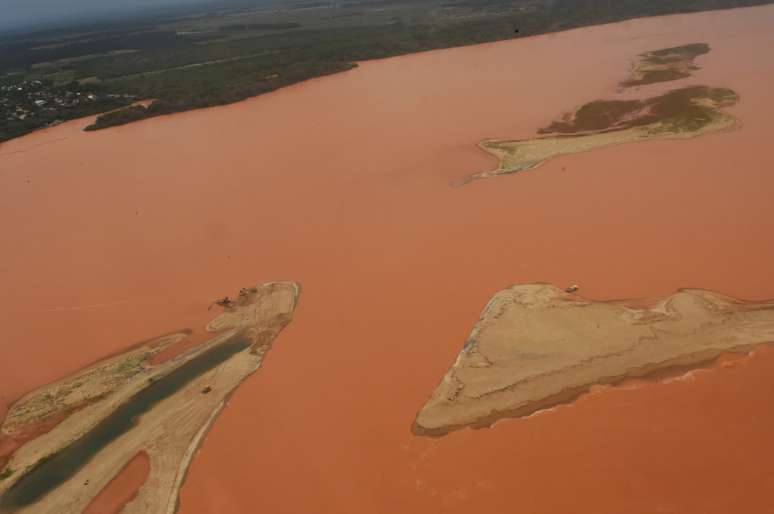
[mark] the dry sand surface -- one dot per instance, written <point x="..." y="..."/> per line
<point x="167" y="432"/>
<point x="342" y="184"/>
<point x="536" y="346"/>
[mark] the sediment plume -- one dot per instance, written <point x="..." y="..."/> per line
<point x="226" y="191"/>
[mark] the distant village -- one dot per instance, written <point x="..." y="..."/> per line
<point x="38" y="98"/>
<point x="38" y="103"/>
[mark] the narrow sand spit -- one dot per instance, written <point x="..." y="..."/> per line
<point x="536" y="346"/>
<point x="342" y="184"/>
<point x="132" y="408"/>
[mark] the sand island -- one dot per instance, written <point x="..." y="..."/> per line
<point x="125" y="406"/>
<point x="682" y="113"/>
<point x="536" y="346"/>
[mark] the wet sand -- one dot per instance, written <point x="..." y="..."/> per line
<point x="122" y="488"/>
<point x="114" y="227"/>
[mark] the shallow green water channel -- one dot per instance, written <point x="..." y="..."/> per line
<point x="60" y="467"/>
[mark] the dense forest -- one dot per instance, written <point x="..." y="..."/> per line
<point x="198" y="59"/>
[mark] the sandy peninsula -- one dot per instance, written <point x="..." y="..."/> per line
<point x="536" y="346"/>
<point x="124" y="406"/>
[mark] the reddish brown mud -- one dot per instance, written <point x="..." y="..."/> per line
<point x="122" y="488"/>
<point x="341" y="184"/>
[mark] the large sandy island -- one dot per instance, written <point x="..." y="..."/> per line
<point x="536" y="346"/>
<point x="342" y="184"/>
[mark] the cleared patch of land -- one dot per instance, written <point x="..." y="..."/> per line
<point x="679" y="114"/>
<point x="665" y="65"/>
<point x="536" y="346"/>
<point x="127" y="406"/>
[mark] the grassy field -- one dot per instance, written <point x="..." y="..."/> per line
<point x="189" y="58"/>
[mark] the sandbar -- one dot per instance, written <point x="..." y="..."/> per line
<point x="536" y="345"/>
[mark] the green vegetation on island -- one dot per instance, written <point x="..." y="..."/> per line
<point x="666" y="65"/>
<point x="681" y="110"/>
<point x="682" y="113"/>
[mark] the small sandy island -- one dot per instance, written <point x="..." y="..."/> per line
<point x="536" y="346"/>
<point x="682" y="113"/>
<point x="126" y="406"/>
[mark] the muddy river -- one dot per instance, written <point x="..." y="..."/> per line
<point x="343" y="184"/>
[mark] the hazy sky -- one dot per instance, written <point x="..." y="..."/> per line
<point x="21" y="13"/>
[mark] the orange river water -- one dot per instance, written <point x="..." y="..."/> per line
<point x="342" y="183"/>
